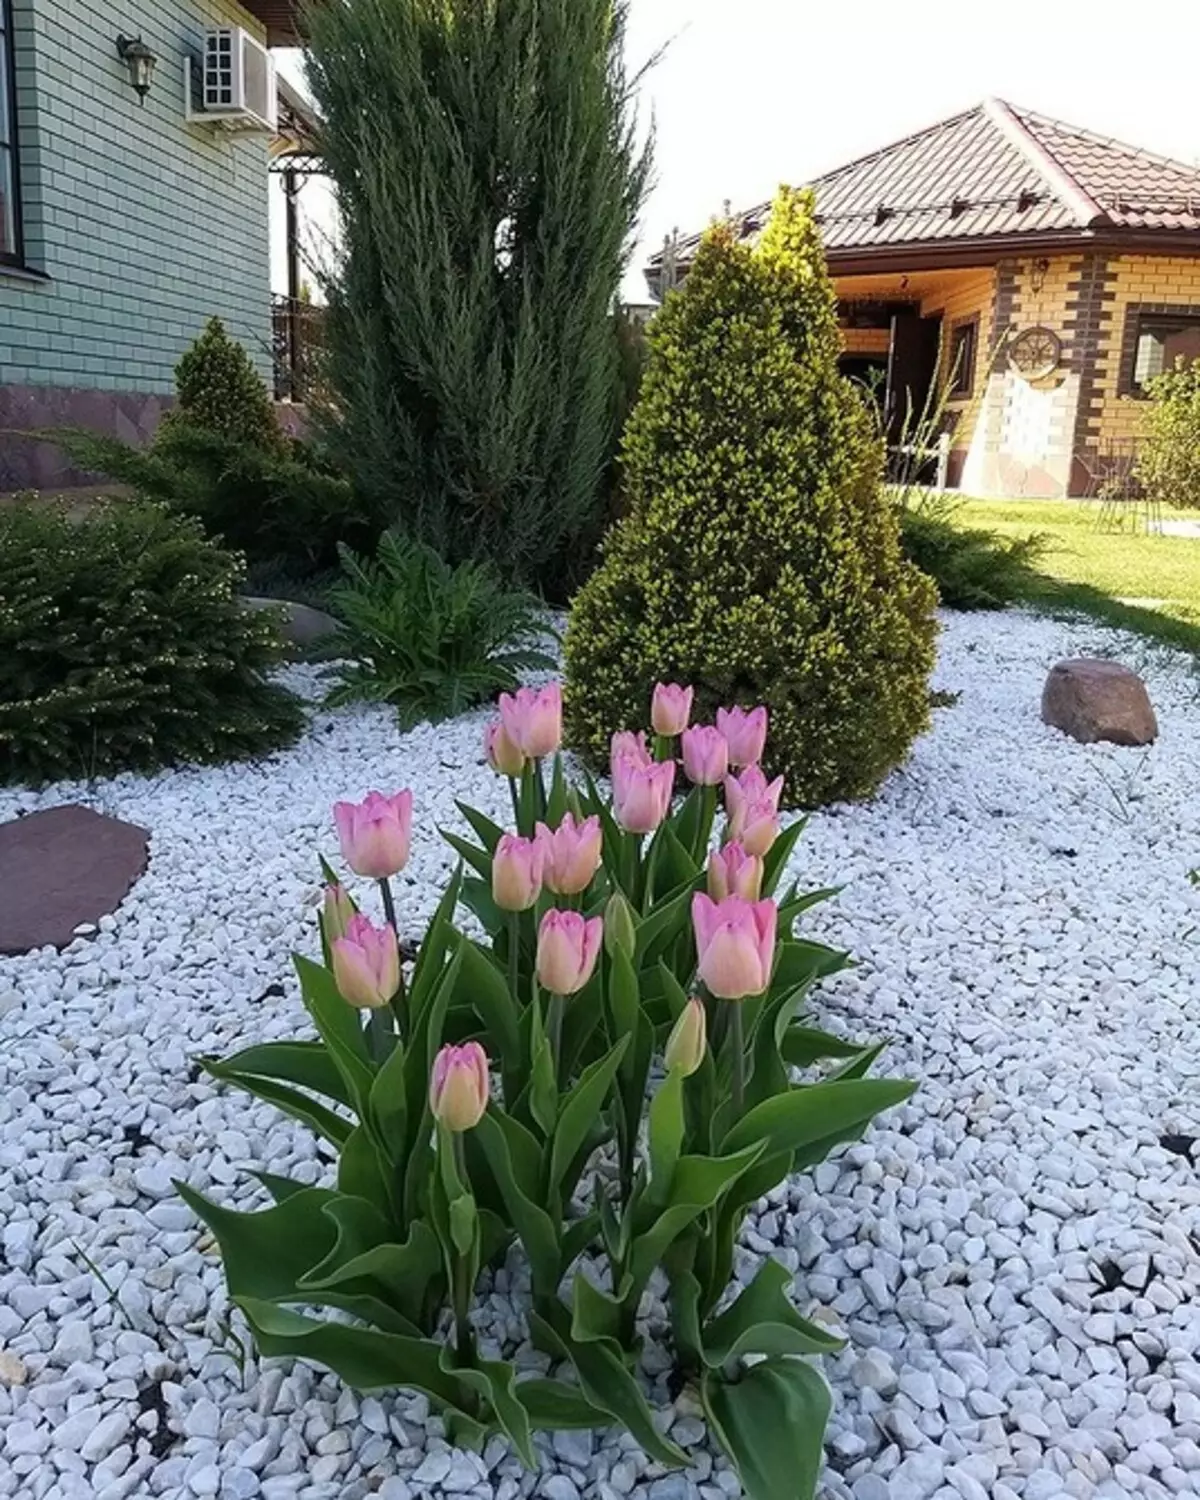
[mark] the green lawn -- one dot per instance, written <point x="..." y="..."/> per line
<point x="1141" y="582"/>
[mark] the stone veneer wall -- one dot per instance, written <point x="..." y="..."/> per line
<point x="140" y="225"/>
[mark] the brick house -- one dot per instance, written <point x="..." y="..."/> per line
<point x="126" y="218"/>
<point x="1039" y="272"/>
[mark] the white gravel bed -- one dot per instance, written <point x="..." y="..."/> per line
<point x="1015" y="1254"/>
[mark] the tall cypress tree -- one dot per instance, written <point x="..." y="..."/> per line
<point x="488" y="178"/>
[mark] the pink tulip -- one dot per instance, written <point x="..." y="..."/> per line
<point x="750" y="787"/>
<point x="759" y="827"/>
<point x="533" y="719"/>
<point x="572" y="853"/>
<point x="745" y="733"/>
<point x="689" y="1037"/>
<point x="517" y="871"/>
<point x="502" y="755"/>
<point x="568" y="946"/>
<point x="705" y="755"/>
<point x="671" y="708"/>
<point x="337" y="912"/>
<point x="733" y="872"/>
<point x="458" y="1086"/>
<point x="642" y="794"/>
<point x="375" y="834"/>
<point x="366" y="963"/>
<point x="735" y="941"/>
<point x="629" y="746"/>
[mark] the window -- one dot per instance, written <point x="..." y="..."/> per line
<point x="10" y="216"/>
<point x="1162" y="340"/>
<point x="962" y="358"/>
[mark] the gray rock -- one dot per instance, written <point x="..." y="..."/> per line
<point x="301" y="626"/>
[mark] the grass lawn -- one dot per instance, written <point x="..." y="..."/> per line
<point x="1141" y="582"/>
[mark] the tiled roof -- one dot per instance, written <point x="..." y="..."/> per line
<point x="994" y="170"/>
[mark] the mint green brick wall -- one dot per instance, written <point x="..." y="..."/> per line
<point x="145" y="225"/>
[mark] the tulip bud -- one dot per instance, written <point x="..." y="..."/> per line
<point x="705" y="755"/>
<point x="689" y="1036"/>
<point x="572" y="853"/>
<point x="502" y="755"/>
<point x="735" y="944"/>
<point x="733" y="872"/>
<point x="532" y="719"/>
<point x="375" y="834"/>
<point x="670" y="709"/>
<point x="366" y="963"/>
<point x="568" y="946"/>
<point x="620" y="929"/>
<point x="337" y="912"/>
<point x="458" y="1086"/>
<point x="745" y="733"/>
<point x="517" y="869"/>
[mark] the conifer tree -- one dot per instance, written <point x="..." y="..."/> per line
<point x="760" y="557"/>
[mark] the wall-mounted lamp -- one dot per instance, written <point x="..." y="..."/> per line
<point x="140" y="61"/>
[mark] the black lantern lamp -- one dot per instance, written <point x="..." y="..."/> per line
<point x="140" y="61"/>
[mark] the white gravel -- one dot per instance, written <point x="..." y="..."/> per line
<point x="1015" y="1254"/>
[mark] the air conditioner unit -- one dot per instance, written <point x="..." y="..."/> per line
<point x="232" y="82"/>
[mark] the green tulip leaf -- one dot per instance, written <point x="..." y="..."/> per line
<point x="464" y="1223"/>
<point x="676" y="995"/>
<point x="859" y="1065"/>
<point x="815" y="1112"/>
<point x="579" y="1112"/>
<point x="281" y="1188"/>
<point x="605" y="1381"/>
<point x="804" y="1045"/>
<point x="595" y="1314"/>
<point x="777" y="856"/>
<point x="305" y="1063"/>
<point x="665" y="1134"/>
<point x="495" y="1381"/>
<point x="479" y="860"/>
<point x="405" y="1273"/>
<point x="623" y="997"/>
<point x="556" y="801"/>
<point x="762" y="1320"/>
<point x="487" y="832"/>
<point x="339" y="1027"/>
<point x="697" y="1184"/>
<point x="494" y="1004"/>
<point x="358" y="1225"/>
<point x="362" y="1174"/>
<point x="577" y="1236"/>
<point x="507" y="1146"/>
<point x="387" y="1115"/>
<point x="660" y="927"/>
<point x="685" y="1318"/>
<point x="554" y="1406"/>
<point x="440" y="938"/>
<point x="771" y="1425"/>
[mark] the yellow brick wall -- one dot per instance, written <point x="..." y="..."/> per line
<point x="1135" y="279"/>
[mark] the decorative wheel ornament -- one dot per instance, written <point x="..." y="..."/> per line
<point x="1035" y="353"/>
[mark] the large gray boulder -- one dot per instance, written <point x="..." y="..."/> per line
<point x="304" y="628"/>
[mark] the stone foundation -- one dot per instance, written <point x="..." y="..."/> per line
<point x="27" y="464"/>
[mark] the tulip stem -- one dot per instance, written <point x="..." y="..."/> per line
<point x="514" y="792"/>
<point x="389" y="912"/>
<point x="554" y="1027"/>
<point x="464" y="1338"/>
<point x="380" y="1036"/>
<point x="514" y="955"/>
<point x="389" y="905"/>
<point x="708" y="813"/>
<point x="737" y="1044"/>
<point x="664" y="747"/>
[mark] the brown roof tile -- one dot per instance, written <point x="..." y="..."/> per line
<point x="994" y="170"/>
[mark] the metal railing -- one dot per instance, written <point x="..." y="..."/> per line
<point x="296" y="341"/>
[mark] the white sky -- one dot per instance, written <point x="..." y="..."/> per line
<point x="751" y="93"/>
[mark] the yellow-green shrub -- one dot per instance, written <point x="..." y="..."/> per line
<point x="759" y="559"/>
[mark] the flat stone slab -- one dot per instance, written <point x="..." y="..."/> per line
<point x="61" y="868"/>
<point x="1099" y="700"/>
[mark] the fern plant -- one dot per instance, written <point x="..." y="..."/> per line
<point x="430" y="639"/>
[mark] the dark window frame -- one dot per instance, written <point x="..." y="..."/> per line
<point x="1137" y="313"/>
<point x="8" y="82"/>
<point x="960" y="373"/>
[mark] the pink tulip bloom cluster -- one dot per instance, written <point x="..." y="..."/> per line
<point x="567" y="950"/>
<point x="375" y="834"/>
<point x="642" y="787"/>
<point x="671" y="709"/>
<point x="532" y="720"/>
<point x="459" y="1086"/>
<point x="735" y="944"/>
<point x="745" y="732"/>
<point x="366" y="963"/>
<point x="752" y="806"/>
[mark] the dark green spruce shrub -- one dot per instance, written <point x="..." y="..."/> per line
<point x="123" y="647"/>
<point x="973" y="568"/>
<point x="487" y="198"/>
<point x="760" y="558"/>
<point x="430" y="639"/>
<point x="220" y="454"/>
